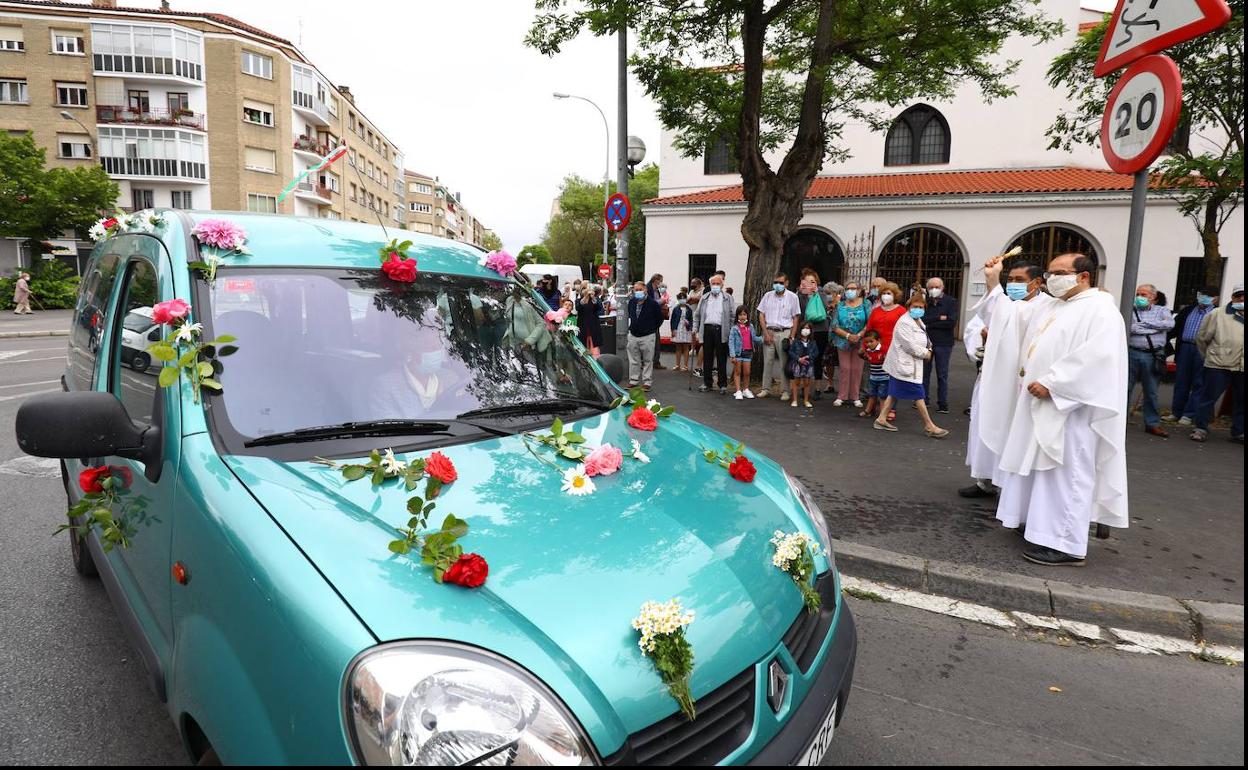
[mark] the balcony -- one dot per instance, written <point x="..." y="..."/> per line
<point x="314" y="192"/>
<point x="155" y="168"/>
<point x="137" y="66"/>
<point x="310" y="107"/>
<point x="311" y="147"/>
<point x="157" y="117"/>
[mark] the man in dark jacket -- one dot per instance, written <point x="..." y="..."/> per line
<point x="644" y="318"/>
<point x="1189" y="367"/>
<point x="941" y="320"/>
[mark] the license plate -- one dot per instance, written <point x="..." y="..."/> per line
<point x="813" y="754"/>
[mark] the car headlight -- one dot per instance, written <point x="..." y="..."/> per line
<point x="816" y="516"/>
<point x="440" y="703"/>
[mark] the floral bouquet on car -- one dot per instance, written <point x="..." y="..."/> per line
<point x="662" y="627"/>
<point x="184" y="351"/>
<point x="795" y="555"/>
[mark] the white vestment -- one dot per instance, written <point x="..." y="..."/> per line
<point x="1064" y="461"/>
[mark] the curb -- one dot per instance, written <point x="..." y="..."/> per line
<point x="1215" y="622"/>
<point x="48" y="333"/>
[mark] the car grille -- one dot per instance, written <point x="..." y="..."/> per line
<point x="807" y="633"/>
<point x="725" y="715"/>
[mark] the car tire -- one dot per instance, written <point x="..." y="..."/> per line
<point x="84" y="565"/>
<point x="140" y="362"/>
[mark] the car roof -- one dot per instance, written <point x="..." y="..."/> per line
<point x="280" y="240"/>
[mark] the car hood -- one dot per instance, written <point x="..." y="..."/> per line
<point x="567" y="574"/>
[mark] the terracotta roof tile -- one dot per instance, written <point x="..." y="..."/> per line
<point x="1088" y="25"/>
<point x="219" y="18"/>
<point x="992" y="182"/>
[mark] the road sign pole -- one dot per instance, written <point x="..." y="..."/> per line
<point x="621" y="186"/>
<point x="1135" y="234"/>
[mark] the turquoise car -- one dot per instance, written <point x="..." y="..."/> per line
<point x="258" y="582"/>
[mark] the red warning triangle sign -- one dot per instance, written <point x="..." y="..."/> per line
<point x="1142" y="27"/>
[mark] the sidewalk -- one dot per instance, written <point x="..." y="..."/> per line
<point x="41" y="323"/>
<point x="897" y="492"/>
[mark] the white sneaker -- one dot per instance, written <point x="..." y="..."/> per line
<point x="748" y="393"/>
<point x="1185" y="422"/>
<point x="785" y="396"/>
<point x="1169" y="418"/>
<point x="838" y="402"/>
<point x="857" y="404"/>
<point x="738" y="395"/>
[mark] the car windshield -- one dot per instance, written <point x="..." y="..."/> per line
<point x="319" y="347"/>
<point x="137" y="322"/>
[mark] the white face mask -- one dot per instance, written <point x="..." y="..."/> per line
<point x="805" y="332"/>
<point x="1060" y="285"/>
<point x="934" y="293"/>
<point x="886" y="298"/>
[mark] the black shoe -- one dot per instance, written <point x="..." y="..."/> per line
<point x="942" y="410"/>
<point x="1039" y="554"/>
<point x="975" y="490"/>
<point x="1021" y="530"/>
<point x="967" y="411"/>
<point x="1236" y="439"/>
<point x="703" y="388"/>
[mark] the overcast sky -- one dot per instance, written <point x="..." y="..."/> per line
<point x="452" y="84"/>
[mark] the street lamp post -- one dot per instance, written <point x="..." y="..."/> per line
<point x="66" y="115"/>
<point x="606" y="173"/>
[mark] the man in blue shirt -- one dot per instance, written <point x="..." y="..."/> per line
<point x="644" y="318"/>
<point x="941" y="320"/>
<point x="1146" y="352"/>
<point x="1189" y="366"/>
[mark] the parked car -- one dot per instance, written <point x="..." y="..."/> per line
<point x="258" y="586"/>
<point x="138" y="331"/>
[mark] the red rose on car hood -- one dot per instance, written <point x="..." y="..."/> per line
<point x="642" y="418"/>
<point x="469" y="571"/>
<point x="742" y="469"/>
<point x="440" y="467"/>
<point x="396" y="269"/>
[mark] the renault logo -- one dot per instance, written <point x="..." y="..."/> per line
<point x="777" y="685"/>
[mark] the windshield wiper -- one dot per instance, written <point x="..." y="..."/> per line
<point x="547" y="406"/>
<point x="366" y="428"/>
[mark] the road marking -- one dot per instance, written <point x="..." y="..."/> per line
<point x="28" y="384"/>
<point x="27" y="395"/>
<point x="35" y="360"/>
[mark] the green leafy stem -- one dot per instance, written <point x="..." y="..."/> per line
<point x="638" y="398"/>
<point x="184" y="351"/>
<point x="673" y="659"/>
<point x="725" y="456"/>
<point x="802" y="571"/>
<point x="112" y="517"/>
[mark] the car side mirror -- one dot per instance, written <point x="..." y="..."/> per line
<point x="613" y="365"/>
<point x="83" y="424"/>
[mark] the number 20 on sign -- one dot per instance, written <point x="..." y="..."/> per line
<point x="1141" y="114"/>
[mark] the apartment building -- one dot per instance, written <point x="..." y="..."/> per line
<point x="191" y="110"/>
<point x="433" y="208"/>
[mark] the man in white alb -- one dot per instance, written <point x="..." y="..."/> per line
<point x="1064" y="462"/>
<point x="1004" y="312"/>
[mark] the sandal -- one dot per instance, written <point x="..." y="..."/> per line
<point x="864" y="413"/>
<point x="877" y="425"/>
<point x="938" y="433"/>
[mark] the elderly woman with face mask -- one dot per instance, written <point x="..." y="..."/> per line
<point x="904" y="363"/>
<point x="852" y="313"/>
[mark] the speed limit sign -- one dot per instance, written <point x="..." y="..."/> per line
<point x="1141" y="114"/>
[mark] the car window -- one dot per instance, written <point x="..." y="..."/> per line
<point x="323" y="347"/>
<point x="136" y="390"/>
<point x="87" y="331"/>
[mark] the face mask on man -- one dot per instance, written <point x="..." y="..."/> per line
<point x="778" y="288"/>
<point x="1016" y="291"/>
<point x="1204" y="299"/>
<point x="886" y="298"/>
<point x="1141" y="302"/>
<point x="1061" y="285"/>
<point x="935" y="292"/>
<point x="851" y="294"/>
<point x="716" y="288"/>
<point x="1238" y="307"/>
<point x="917" y="312"/>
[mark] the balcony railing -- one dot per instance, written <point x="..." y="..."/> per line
<point x="309" y="104"/>
<point x="304" y="144"/>
<point x="148" y="65"/>
<point x="313" y="188"/>
<point x="154" y="167"/>
<point x="181" y="118"/>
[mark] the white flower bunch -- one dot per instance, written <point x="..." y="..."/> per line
<point x="660" y="618"/>
<point x="789" y="548"/>
<point x="97" y="231"/>
<point x="392" y="465"/>
<point x="639" y="455"/>
<point x="188" y="333"/>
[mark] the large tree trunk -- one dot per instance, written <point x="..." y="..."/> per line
<point x="1209" y="239"/>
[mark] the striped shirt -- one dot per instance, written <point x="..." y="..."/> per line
<point x="1151" y="322"/>
<point x="1192" y="325"/>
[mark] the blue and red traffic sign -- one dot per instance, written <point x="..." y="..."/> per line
<point x="617" y="212"/>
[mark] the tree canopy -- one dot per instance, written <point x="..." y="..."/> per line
<point x="491" y="241"/>
<point x="1205" y="167"/>
<point x="39" y="203"/>
<point x="534" y="254"/>
<point x="573" y="235"/>
<point x="789" y="74"/>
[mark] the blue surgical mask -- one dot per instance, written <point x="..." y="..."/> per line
<point x="874" y="293"/>
<point x="1204" y="299"/>
<point x="716" y="289"/>
<point x="777" y="287"/>
<point x="1238" y="307"/>
<point x="1016" y="291"/>
<point x="851" y="294"/>
<point x="432" y="361"/>
<point x="917" y="312"/>
<point x="1141" y="302"/>
<point x="639" y="295"/>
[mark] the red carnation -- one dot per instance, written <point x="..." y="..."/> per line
<point x="396" y="269"/>
<point x="642" y="418"/>
<point x="469" y="571"/>
<point x="91" y="479"/>
<point x="109" y="223"/>
<point x="742" y="469"/>
<point x="440" y="467"/>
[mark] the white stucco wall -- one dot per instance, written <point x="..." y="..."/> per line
<point x="983" y="228"/>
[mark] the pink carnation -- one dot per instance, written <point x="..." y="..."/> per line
<point x="603" y="461"/>
<point x="501" y="262"/>
<point x="170" y="311"/>
<point x="221" y="234"/>
<point x="556" y="317"/>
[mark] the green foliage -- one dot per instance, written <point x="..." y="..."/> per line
<point x="193" y="356"/>
<point x="491" y="241"/>
<point x="394" y="247"/>
<point x="39" y="203"/>
<point x="673" y="659"/>
<point x="441" y="550"/>
<point x="1206" y="177"/>
<point x="638" y="398"/>
<point x="568" y="444"/>
<point x="534" y="254"/>
<point x="52" y="284"/>
<point x="112" y="513"/>
<point x="573" y="236"/>
<point x="724" y="456"/>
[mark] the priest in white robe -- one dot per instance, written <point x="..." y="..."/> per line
<point x="1004" y="312"/>
<point x="1064" y="456"/>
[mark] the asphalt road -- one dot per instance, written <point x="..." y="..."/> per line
<point x="928" y="689"/>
